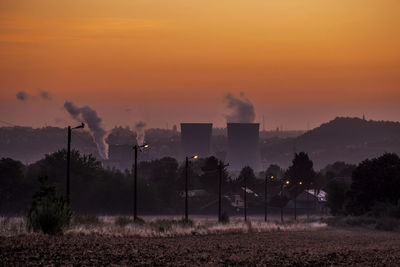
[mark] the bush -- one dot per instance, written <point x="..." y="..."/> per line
<point x="224" y="218"/>
<point x="48" y="213"/>
<point x="123" y="221"/>
<point x="87" y="220"/>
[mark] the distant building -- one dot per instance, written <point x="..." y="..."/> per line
<point x="310" y="200"/>
<point x="196" y="139"/>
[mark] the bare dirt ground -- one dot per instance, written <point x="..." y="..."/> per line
<point x="313" y="248"/>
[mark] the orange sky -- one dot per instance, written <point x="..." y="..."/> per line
<point x="298" y="61"/>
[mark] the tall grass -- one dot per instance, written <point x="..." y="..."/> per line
<point x="164" y="227"/>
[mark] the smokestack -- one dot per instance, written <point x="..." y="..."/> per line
<point x="196" y="139"/>
<point x="90" y="117"/>
<point x="140" y="134"/>
<point x="243" y="146"/>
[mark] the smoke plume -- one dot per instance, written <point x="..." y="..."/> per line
<point x="21" y="95"/>
<point x="139" y="128"/>
<point x="45" y="95"/>
<point x="90" y="117"/>
<point x="242" y="110"/>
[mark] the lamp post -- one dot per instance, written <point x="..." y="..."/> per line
<point x="266" y="196"/>
<point x="287" y="182"/>
<point x="245" y="198"/>
<point x="186" y="184"/>
<point x="136" y="148"/>
<point x="69" y="158"/>
<point x="295" y="201"/>
<point x="221" y="167"/>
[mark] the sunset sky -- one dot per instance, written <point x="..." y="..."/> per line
<point x="298" y="61"/>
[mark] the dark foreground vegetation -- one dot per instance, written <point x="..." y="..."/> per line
<point x="316" y="248"/>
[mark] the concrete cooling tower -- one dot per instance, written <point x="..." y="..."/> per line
<point x="243" y="146"/>
<point x="196" y="139"/>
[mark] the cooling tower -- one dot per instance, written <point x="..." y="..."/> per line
<point x="243" y="146"/>
<point x="196" y="139"/>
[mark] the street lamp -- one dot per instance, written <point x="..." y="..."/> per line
<point x="136" y="148"/>
<point x="266" y="197"/>
<point x="221" y="167"/>
<point x="287" y="182"/>
<point x="69" y="157"/>
<point x="295" y="201"/>
<point x="186" y="184"/>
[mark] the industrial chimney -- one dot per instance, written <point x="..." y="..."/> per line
<point x="243" y="146"/>
<point x="196" y="139"/>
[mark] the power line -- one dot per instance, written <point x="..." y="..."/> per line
<point x="8" y="123"/>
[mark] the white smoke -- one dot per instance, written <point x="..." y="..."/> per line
<point x="242" y="110"/>
<point x="140" y="134"/>
<point x="90" y="117"/>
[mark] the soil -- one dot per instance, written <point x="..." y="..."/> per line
<point x="312" y="248"/>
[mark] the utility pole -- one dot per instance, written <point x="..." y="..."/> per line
<point x="135" y="194"/>
<point x="186" y="189"/>
<point x="135" y="185"/>
<point x="245" y="199"/>
<point x="266" y="197"/>
<point x="281" y="202"/>
<point x="221" y="167"/>
<point x="69" y="159"/>
<point x="68" y="162"/>
<point x="186" y="185"/>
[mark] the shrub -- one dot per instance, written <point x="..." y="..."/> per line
<point x="49" y="213"/>
<point x="224" y="218"/>
<point x="123" y="221"/>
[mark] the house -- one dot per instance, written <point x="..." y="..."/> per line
<point x="309" y="201"/>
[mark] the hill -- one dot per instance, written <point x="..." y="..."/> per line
<point x="342" y="139"/>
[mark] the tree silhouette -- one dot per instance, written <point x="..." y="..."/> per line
<point x="375" y="180"/>
<point x="301" y="170"/>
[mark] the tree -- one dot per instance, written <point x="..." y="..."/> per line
<point x="49" y="213"/>
<point x="13" y="186"/>
<point x="336" y="196"/>
<point x="164" y="177"/>
<point x="374" y="180"/>
<point x="248" y="173"/>
<point x="210" y="175"/>
<point x="301" y="170"/>
<point x="275" y="171"/>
